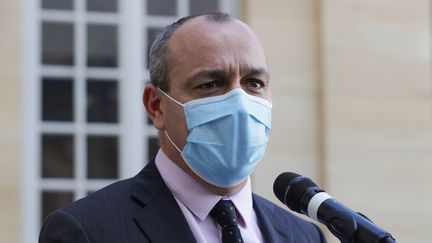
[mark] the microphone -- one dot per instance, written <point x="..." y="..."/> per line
<point x="302" y="195"/>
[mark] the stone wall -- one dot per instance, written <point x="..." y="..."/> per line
<point x="352" y="104"/>
<point x="10" y="121"/>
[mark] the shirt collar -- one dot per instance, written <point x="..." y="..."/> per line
<point x="197" y="198"/>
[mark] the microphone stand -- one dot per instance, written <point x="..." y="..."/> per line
<point x="347" y="230"/>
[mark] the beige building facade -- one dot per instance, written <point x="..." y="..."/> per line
<point x="10" y="121"/>
<point x="353" y="108"/>
<point x="352" y="95"/>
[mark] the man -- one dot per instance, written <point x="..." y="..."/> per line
<point x="210" y="99"/>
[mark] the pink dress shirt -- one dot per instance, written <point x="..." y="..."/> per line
<point x="195" y="201"/>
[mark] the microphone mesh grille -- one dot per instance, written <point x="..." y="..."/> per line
<point x="290" y="188"/>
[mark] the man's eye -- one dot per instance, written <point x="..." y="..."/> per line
<point x="255" y="84"/>
<point x="210" y="85"/>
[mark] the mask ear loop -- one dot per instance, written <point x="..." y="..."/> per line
<point x="171" y="98"/>
<point x="166" y="134"/>
<point x="171" y="141"/>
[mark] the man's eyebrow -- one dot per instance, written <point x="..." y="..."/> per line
<point x="206" y="73"/>
<point x="259" y="72"/>
<point x="223" y="74"/>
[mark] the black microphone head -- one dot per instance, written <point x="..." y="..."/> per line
<point x="282" y="184"/>
<point x="290" y="188"/>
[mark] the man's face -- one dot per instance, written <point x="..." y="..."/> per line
<point x="209" y="59"/>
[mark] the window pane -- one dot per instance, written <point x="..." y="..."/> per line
<point x="102" y="5"/>
<point x="102" y="157"/>
<point x="101" y="45"/>
<point x="57" y="43"/>
<point x="102" y="101"/>
<point x="200" y="6"/>
<point x="151" y="35"/>
<point x="162" y="7"/>
<point x="57" y="99"/>
<point x="57" y="156"/>
<point x="57" y="4"/>
<point x="153" y="147"/>
<point x="54" y="200"/>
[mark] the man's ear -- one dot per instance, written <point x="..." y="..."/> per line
<point x="153" y="105"/>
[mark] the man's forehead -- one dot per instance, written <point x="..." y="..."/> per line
<point x="210" y="39"/>
<point x="201" y="35"/>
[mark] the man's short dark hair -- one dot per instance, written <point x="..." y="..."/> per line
<point x="160" y="60"/>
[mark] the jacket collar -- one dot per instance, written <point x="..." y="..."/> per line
<point x="270" y="223"/>
<point x="157" y="209"/>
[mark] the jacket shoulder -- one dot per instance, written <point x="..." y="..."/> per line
<point x="104" y="216"/>
<point x="59" y="226"/>
<point x="116" y="195"/>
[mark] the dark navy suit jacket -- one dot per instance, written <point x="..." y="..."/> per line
<point x="142" y="209"/>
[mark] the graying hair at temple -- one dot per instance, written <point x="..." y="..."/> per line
<point x="159" y="55"/>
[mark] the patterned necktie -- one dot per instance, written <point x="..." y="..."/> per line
<point x="225" y="214"/>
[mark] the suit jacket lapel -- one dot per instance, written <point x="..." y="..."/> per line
<point x="158" y="216"/>
<point x="269" y="223"/>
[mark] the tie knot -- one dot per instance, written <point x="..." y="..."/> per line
<point x="225" y="213"/>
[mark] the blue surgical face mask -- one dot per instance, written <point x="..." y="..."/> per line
<point x="228" y="136"/>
